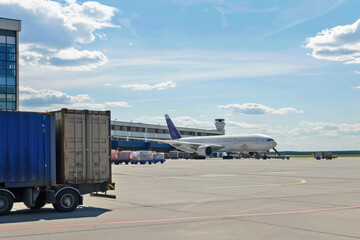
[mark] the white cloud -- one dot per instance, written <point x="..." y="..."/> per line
<point x="328" y="129"/>
<point x="47" y="100"/>
<point x="69" y="58"/>
<point x="357" y="72"/>
<point x="243" y="125"/>
<point x="102" y="36"/>
<point x="51" y="30"/>
<point x="255" y="108"/>
<point x="117" y="104"/>
<point x="301" y="12"/>
<point x="341" y="43"/>
<point x="147" y="87"/>
<point x="182" y="65"/>
<point x="153" y="67"/>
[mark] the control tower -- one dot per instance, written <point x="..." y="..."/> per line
<point x="220" y="125"/>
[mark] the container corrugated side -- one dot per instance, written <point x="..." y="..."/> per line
<point x="83" y="146"/>
<point x="27" y="149"/>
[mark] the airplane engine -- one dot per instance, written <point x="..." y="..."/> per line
<point x="204" y="151"/>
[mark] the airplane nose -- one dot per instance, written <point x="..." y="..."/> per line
<point x="273" y="144"/>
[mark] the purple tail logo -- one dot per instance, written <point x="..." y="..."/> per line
<point x="174" y="134"/>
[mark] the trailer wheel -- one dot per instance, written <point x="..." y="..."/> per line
<point x="67" y="201"/>
<point x="6" y="203"/>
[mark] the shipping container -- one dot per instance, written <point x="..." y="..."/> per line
<point x="27" y="149"/>
<point x="53" y="157"/>
<point x="83" y="142"/>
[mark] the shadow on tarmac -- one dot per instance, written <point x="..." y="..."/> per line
<point x="49" y="213"/>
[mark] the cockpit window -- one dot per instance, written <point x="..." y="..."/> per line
<point x="270" y="140"/>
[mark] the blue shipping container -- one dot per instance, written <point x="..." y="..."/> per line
<point x="27" y="149"/>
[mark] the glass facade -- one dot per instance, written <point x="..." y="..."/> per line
<point x="8" y="70"/>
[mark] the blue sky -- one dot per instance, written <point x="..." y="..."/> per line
<point x="289" y="69"/>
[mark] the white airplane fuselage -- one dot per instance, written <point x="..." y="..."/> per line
<point x="234" y="143"/>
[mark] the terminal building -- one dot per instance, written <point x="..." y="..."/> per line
<point x="9" y="63"/>
<point x="122" y="132"/>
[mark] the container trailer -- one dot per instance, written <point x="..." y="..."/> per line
<point x="53" y="157"/>
<point x="159" y="157"/>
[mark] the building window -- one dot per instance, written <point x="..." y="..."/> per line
<point x="7" y="70"/>
<point x="151" y="130"/>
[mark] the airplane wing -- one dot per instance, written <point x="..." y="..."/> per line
<point x="182" y="145"/>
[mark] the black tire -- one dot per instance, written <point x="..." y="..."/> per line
<point x="38" y="205"/>
<point x="67" y="201"/>
<point x="6" y="203"/>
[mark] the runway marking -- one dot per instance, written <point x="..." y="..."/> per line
<point x="300" y="181"/>
<point x="181" y="219"/>
<point x="169" y="177"/>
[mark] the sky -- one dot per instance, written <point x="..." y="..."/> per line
<point x="287" y="69"/>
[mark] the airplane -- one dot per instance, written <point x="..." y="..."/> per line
<point x="205" y="146"/>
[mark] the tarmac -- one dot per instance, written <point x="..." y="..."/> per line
<point x="300" y="198"/>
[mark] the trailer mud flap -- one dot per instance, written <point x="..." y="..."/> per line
<point x="111" y="186"/>
<point x="104" y="195"/>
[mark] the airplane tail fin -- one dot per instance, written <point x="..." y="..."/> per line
<point x="174" y="134"/>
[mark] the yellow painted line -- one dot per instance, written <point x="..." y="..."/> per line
<point x="299" y="181"/>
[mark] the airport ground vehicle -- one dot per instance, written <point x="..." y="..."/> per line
<point x="174" y="154"/>
<point x="283" y="157"/>
<point x="323" y="155"/>
<point x="53" y="158"/>
<point x="142" y="157"/>
<point x="159" y="157"/>
<point x="118" y="157"/>
<point x="232" y="155"/>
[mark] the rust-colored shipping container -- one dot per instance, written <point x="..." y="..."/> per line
<point x="83" y="142"/>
